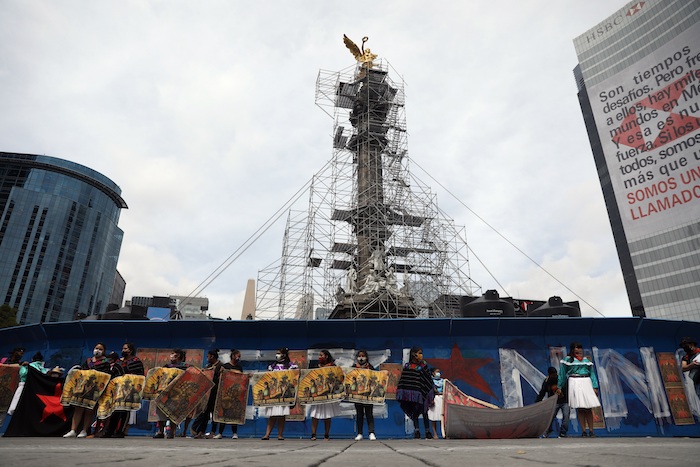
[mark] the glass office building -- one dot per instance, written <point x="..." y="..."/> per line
<point x="59" y="240"/>
<point x="639" y="88"/>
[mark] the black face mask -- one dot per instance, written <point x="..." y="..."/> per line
<point x="125" y="354"/>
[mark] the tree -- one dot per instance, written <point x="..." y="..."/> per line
<point x="8" y="316"/>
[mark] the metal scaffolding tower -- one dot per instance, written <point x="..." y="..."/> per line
<point x="373" y="242"/>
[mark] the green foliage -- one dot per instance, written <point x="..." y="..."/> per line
<point x="8" y="316"/>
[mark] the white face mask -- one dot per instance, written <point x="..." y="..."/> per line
<point x="97" y="353"/>
<point x="361" y="360"/>
<point x="437" y="375"/>
<point x="278" y="356"/>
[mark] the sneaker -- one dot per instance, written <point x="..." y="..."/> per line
<point x="235" y="436"/>
<point x="358" y="437"/>
<point x="584" y="434"/>
<point x="372" y="437"/>
<point x="416" y="434"/>
<point x="562" y="435"/>
<point x="428" y="435"/>
<point x="82" y="434"/>
<point x="159" y="436"/>
<point x="218" y="436"/>
<point x="591" y="435"/>
<point x="70" y="434"/>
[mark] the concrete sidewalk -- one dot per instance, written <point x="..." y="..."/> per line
<point x="637" y="452"/>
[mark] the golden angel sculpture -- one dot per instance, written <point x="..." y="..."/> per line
<point x="366" y="57"/>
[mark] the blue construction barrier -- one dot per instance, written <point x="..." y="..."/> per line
<point x="478" y="355"/>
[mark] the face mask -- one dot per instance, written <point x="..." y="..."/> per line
<point x="125" y="354"/>
<point x="361" y="360"/>
<point x="437" y="375"/>
<point x="278" y="356"/>
<point x="236" y="358"/>
<point x="97" y="353"/>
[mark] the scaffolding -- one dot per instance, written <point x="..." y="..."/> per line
<point x="373" y="242"/>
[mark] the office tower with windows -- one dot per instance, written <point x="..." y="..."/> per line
<point x="59" y="239"/>
<point x="638" y="83"/>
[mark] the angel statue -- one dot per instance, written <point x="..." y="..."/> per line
<point x="366" y="57"/>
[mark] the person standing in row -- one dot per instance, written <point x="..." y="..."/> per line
<point x="177" y="360"/>
<point x="577" y="373"/>
<point x="435" y="411"/>
<point x="130" y="364"/>
<point x="690" y="362"/>
<point x="550" y="388"/>
<point x="364" y="410"/>
<point x="82" y="417"/>
<point x="277" y="414"/>
<point x="415" y="391"/>
<point x="199" y="426"/>
<point x="327" y="411"/>
<point x="234" y="365"/>
<point x="37" y="364"/>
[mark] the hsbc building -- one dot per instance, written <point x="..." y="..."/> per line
<point x="638" y="82"/>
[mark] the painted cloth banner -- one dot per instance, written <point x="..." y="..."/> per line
<point x="321" y="385"/>
<point x="394" y="374"/>
<point x="272" y="388"/>
<point x="452" y="395"/>
<point x="673" y="383"/>
<point x="232" y="397"/>
<point x="202" y="406"/>
<point x="153" y="358"/>
<point x="484" y="423"/>
<point x="9" y="380"/>
<point x="39" y="411"/>
<point x="183" y="393"/>
<point x="158" y="379"/>
<point x="83" y="388"/>
<point x="300" y="358"/>
<point x="122" y="393"/>
<point x="366" y="386"/>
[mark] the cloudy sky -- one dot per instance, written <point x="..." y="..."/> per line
<point x="203" y="113"/>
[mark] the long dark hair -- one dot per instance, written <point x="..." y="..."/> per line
<point x="414" y="350"/>
<point x="285" y="355"/>
<point x="572" y="348"/>
<point x="329" y="357"/>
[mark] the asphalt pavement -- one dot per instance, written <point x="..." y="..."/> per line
<point x="143" y="451"/>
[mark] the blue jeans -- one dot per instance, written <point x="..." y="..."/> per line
<point x="565" y="413"/>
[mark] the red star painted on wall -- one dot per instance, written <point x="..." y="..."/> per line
<point x="52" y="404"/>
<point x="458" y="368"/>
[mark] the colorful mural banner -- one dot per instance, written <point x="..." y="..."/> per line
<point x="122" y="393"/>
<point x="153" y="358"/>
<point x="321" y="385"/>
<point x="675" y="392"/>
<point x="452" y="395"/>
<point x="183" y="393"/>
<point x="231" y="398"/>
<point x="83" y="388"/>
<point x="271" y="388"/>
<point x="366" y="386"/>
<point x="394" y="374"/>
<point x="300" y="358"/>
<point x="157" y="380"/>
<point x="9" y="381"/>
<point x="465" y="422"/>
<point x="202" y="405"/>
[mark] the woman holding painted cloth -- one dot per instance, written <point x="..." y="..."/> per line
<point x="415" y="391"/>
<point x="576" y="372"/>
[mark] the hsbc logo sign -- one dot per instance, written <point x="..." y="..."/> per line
<point x="608" y="26"/>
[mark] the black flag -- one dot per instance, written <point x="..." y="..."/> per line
<point x="39" y="411"/>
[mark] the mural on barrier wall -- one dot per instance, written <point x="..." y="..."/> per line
<point x="642" y="391"/>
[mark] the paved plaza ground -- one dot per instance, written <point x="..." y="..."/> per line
<point x="638" y="452"/>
